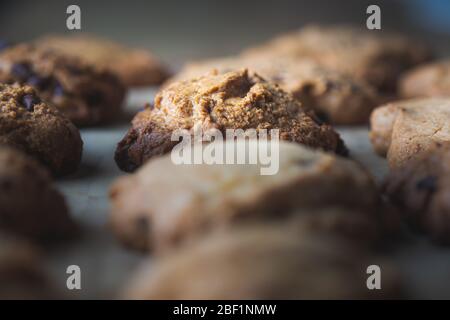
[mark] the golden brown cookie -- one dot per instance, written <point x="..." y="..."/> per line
<point x="402" y="130"/>
<point x="376" y="58"/>
<point x="262" y="262"/>
<point x="30" y="205"/>
<point x="430" y="80"/>
<point x="36" y="127"/>
<point x="164" y="204"/>
<point x="334" y="96"/>
<point x="234" y="100"/>
<point x="85" y="94"/>
<point x="421" y="189"/>
<point x="134" y="67"/>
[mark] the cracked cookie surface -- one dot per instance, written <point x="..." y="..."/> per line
<point x="83" y="93"/>
<point x="333" y="96"/>
<point x="234" y="100"/>
<point x="402" y="130"/>
<point x="32" y="125"/>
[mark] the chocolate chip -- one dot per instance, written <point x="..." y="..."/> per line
<point x="142" y="230"/>
<point x="427" y="183"/>
<point x="277" y="78"/>
<point x="94" y="98"/>
<point x="142" y="225"/>
<point x="321" y="117"/>
<point x="34" y="80"/>
<point x="38" y="82"/>
<point x="308" y="88"/>
<point x="29" y="101"/>
<point x="58" y="90"/>
<point x="22" y="70"/>
<point x="74" y="70"/>
<point x="331" y="85"/>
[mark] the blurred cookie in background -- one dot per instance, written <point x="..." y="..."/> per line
<point x="31" y="206"/>
<point x="134" y="67"/>
<point x="378" y="59"/>
<point x="36" y="127"/>
<point x="22" y="275"/>
<point x="83" y="93"/>
<point x="262" y="262"/>
<point x="429" y="80"/>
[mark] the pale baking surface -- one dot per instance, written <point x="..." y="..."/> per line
<point x="106" y="265"/>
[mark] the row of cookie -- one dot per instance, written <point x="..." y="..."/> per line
<point x="148" y="214"/>
<point x="235" y="99"/>
<point x="33" y="125"/>
<point x="250" y="97"/>
<point x="414" y="135"/>
<point x="49" y="63"/>
<point x="165" y="206"/>
<point x="227" y="232"/>
<point x="340" y="72"/>
<point x="33" y="212"/>
<point x="84" y="77"/>
<point x="33" y="216"/>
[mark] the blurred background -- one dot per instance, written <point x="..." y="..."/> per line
<point x="185" y="30"/>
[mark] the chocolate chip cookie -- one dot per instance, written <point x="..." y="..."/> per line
<point x="34" y="126"/>
<point x="335" y="97"/>
<point x="85" y="94"/>
<point x="421" y="188"/>
<point x="30" y="205"/>
<point x="430" y="80"/>
<point x="262" y="262"/>
<point x="21" y="272"/>
<point x="134" y="67"/>
<point x="369" y="56"/>
<point x="404" y="129"/>
<point x="234" y="100"/>
<point x="164" y="204"/>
